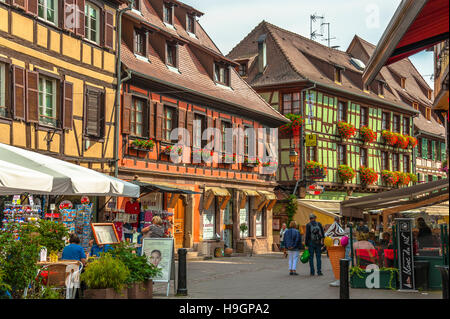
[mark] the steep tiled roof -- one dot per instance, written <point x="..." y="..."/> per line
<point x="193" y="77"/>
<point x="295" y="58"/>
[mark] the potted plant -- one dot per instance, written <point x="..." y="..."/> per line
<point x="390" y="178"/>
<point x="139" y="281"/>
<point x="346" y="173"/>
<point x="52" y="236"/>
<point x="388" y="277"/>
<point x="345" y="130"/>
<point x="390" y="138"/>
<point x="367" y="135"/>
<point x="368" y="176"/>
<point x="243" y="228"/>
<point x="294" y="126"/>
<point x="106" y="278"/>
<point x="316" y="169"/>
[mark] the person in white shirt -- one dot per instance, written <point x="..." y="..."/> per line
<point x="282" y="231"/>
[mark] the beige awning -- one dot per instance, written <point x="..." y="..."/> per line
<point x="217" y="191"/>
<point x="222" y="193"/>
<point x="438" y="210"/>
<point x="268" y="195"/>
<point x="328" y="207"/>
<point x="249" y="192"/>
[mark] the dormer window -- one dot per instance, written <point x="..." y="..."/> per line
<point x="190" y="24"/>
<point x="136" y="5"/>
<point x="168" y="13"/>
<point x="416" y="106"/>
<point x="428" y="113"/>
<point x="221" y="74"/>
<point x="243" y="69"/>
<point x="337" y="75"/>
<point x="381" y="88"/>
<point x="140" y="42"/>
<point x="403" y="83"/>
<point x="366" y="88"/>
<point x="430" y="94"/>
<point x="172" y="55"/>
<point x="262" y="53"/>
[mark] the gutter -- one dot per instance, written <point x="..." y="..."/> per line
<point x="119" y="86"/>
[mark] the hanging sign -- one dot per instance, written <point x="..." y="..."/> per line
<point x="315" y="189"/>
<point x="311" y="140"/>
<point x="65" y="204"/>
<point x="405" y="253"/>
<point x="85" y="200"/>
<point x="16" y="200"/>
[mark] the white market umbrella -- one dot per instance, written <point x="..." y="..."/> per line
<point x="26" y="171"/>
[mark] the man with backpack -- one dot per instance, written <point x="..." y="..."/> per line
<point x="314" y="241"/>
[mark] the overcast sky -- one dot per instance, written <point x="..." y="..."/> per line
<point x="228" y="22"/>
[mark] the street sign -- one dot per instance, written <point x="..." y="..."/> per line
<point x="311" y="140"/>
<point x="315" y="189"/>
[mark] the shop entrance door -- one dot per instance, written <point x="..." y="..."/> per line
<point x="228" y="224"/>
<point x="178" y="223"/>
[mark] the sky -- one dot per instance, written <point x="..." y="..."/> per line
<point x="228" y="22"/>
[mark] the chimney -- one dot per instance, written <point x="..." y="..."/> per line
<point x="262" y="53"/>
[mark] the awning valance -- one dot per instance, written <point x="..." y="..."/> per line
<point x="268" y="195"/>
<point x="151" y="187"/>
<point x="218" y="191"/>
<point x="222" y="194"/>
<point x="249" y="192"/>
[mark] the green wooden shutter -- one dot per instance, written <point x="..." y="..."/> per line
<point x="443" y="152"/>
<point x="424" y="148"/>
<point x="433" y="150"/>
<point x="419" y="177"/>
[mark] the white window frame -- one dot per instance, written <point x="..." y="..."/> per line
<point x="87" y="22"/>
<point x="42" y="101"/>
<point x="2" y="84"/>
<point x="44" y="4"/>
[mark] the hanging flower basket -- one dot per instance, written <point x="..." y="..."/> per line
<point x="346" y="173"/>
<point x="402" y="141"/>
<point x="412" y="141"/>
<point x="367" y="135"/>
<point x="294" y="126"/>
<point x="142" y="145"/>
<point x="346" y="130"/>
<point x="389" y="177"/>
<point x="390" y="138"/>
<point x="316" y="170"/>
<point x="368" y="176"/>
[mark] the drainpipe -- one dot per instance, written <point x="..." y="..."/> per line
<point x="302" y="158"/>
<point x="414" y="155"/>
<point x="119" y="86"/>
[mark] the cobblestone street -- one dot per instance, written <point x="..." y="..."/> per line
<point x="266" y="276"/>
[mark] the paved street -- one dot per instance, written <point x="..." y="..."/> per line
<point x="266" y="276"/>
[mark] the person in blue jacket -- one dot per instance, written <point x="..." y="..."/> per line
<point x="292" y="240"/>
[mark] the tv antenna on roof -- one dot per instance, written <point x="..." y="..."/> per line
<point x="328" y="38"/>
<point x="313" y="33"/>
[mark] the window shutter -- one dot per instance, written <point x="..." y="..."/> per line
<point x="32" y="6"/>
<point x="217" y="140"/>
<point x="93" y="113"/>
<point x="240" y="137"/>
<point x="443" y="152"/>
<point x="109" y="29"/>
<point x="424" y="148"/>
<point x="67" y="105"/>
<point x="79" y="28"/>
<point x="126" y="113"/>
<point x="159" y="121"/>
<point x="181" y="118"/>
<point x="151" y="119"/>
<point x="69" y="15"/>
<point x="190" y="125"/>
<point x="146" y="44"/>
<point x="19" y="3"/>
<point x="209" y="124"/>
<point x="32" y="97"/>
<point x="19" y="92"/>
<point x="433" y="150"/>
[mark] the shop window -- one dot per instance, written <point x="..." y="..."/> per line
<point x="364" y="116"/>
<point x="222" y="74"/>
<point x="342" y="155"/>
<point x="244" y="218"/>
<point x="137" y="117"/>
<point x="406" y="163"/>
<point x="95" y="113"/>
<point x="48" y="110"/>
<point x="291" y="103"/>
<point x="168" y="13"/>
<point x="259" y="224"/>
<point x="363" y="157"/>
<point x="92" y="22"/>
<point x="395" y="162"/>
<point x="48" y="10"/>
<point x="385" y="121"/>
<point x="342" y="111"/>
<point x="3" y="107"/>
<point x="384" y="161"/>
<point x="209" y="222"/>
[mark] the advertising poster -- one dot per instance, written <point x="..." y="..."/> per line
<point x="159" y="252"/>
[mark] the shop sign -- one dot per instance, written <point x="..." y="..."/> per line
<point x="16" y="200"/>
<point x="315" y="189"/>
<point x="405" y="253"/>
<point x="311" y="140"/>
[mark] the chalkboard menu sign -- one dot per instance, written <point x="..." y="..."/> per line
<point x="405" y="253"/>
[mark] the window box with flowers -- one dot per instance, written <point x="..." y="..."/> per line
<point x="412" y="141"/>
<point x="403" y="179"/>
<point x="228" y="159"/>
<point x="172" y="148"/>
<point x="444" y="167"/>
<point x="367" y="175"/>
<point x="413" y="177"/>
<point x="389" y="177"/>
<point x="345" y="130"/>
<point x="367" y="135"/>
<point x="202" y="155"/>
<point x="402" y="141"/>
<point x="270" y="164"/>
<point x="142" y="145"/>
<point x="251" y="161"/>
<point x="316" y="170"/>
<point x="390" y="137"/>
<point x="346" y="173"/>
<point x="294" y="126"/>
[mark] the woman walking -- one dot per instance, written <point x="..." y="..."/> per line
<point x="292" y="241"/>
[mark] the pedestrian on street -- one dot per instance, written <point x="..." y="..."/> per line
<point x="292" y="241"/>
<point x="282" y="231"/>
<point x="314" y="242"/>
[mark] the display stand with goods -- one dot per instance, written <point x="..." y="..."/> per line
<point x="83" y="225"/>
<point x="335" y="241"/>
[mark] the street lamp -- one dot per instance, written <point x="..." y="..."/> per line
<point x="293" y="156"/>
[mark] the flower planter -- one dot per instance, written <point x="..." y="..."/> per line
<point x="107" y="293"/>
<point x="140" y="149"/>
<point x="141" y="290"/>
<point x="358" y="280"/>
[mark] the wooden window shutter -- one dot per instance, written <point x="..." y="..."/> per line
<point x="109" y="29"/>
<point x="159" y="121"/>
<point x="181" y="118"/>
<point x="126" y="113"/>
<point x="32" y="6"/>
<point x="217" y="141"/>
<point x="95" y="115"/>
<point x="209" y="124"/>
<point x="19" y="3"/>
<point x="151" y="119"/>
<point x="32" y="97"/>
<point x="443" y="152"/>
<point x="424" y="148"/>
<point x="190" y="124"/>
<point x="19" y="92"/>
<point x="433" y="150"/>
<point x="69" y="15"/>
<point x="79" y="29"/>
<point x="67" y="117"/>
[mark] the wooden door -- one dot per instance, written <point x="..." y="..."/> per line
<point x="178" y="223"/>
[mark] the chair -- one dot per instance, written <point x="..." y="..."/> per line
<point x="366" y="257"/>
